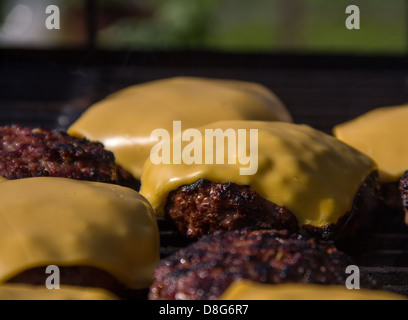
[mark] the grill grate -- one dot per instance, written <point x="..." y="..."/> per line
<point x="51" y="88"/>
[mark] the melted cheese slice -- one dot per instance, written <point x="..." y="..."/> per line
<point x="310" y="173"/>
<point x="66" y="222"/>
<point x="124" y="120"/>
<point x="30" y="292"/>
<point x="248" y="290"/>
<point x="380" y="134"/>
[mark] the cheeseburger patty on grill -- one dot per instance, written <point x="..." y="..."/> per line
<point x="305" y="180"/>
<point x="97" y="234"/>
<point x="204" y="207"/>
<point x="206" y="268"/>
<point x="33" y="152"/>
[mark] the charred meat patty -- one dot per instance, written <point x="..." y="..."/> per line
<point x="204" y="207"/>
<point x="403" y="186"/>
<point x="206" y="268"/>
<point x="32" y="152"/>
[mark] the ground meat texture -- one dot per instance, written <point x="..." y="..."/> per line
<point x="32" y="152"/>
<point x="403" y="185"/>
<point x="206" y="268"/>
<point x="83" y="276"/>
<point x="204" y="207"/>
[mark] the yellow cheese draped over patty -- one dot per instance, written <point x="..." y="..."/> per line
<point x="124" y="120"/>
<point x="37" y="292"/>
<point x="311" y="173"/>
<point x="66" y="222"/>
<point x="380" y="134"/>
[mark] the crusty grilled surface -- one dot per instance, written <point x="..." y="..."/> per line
<point x="403" y="186"/>
<point x="205" y="269"/>
<point x="204" y="207"/>
<point x="32" y="152"/>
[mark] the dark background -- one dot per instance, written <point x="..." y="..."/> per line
<point x="52" y="87"/>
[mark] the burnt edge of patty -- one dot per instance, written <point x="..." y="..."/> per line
<point x="37" y="151"/>
<point x="126" y="179"/>
<point x="203" y="207"/>
<point x="82" y="276"/>
<point x="390" y="206"/>
<point x="207" y="267"/>
<point x="391" y="211"/>
<point x="403" y="187"/>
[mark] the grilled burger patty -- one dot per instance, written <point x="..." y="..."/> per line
<point x="204" y="207"/>
<point x="403" y="186"/>
<point x="206" y="268"/>
<point x="33" y="152"/>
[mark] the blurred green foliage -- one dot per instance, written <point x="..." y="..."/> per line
<point x="173" y="24"/>
<point x="241" y="25"/>
<point x="264" y="25"/>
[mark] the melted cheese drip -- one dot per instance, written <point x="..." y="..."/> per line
<point x="124" y="120"/>
<point x="65" y="222"/>
<point x="247" y="290"/>
<point x="310" y="173"/>
<point x="380" y="134"/>
<point x="30" y="292"/>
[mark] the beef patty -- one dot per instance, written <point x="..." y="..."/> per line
<point x="206" y="268"/>
<point x="32" y="152"/>
<point x="403" y="186"/>
<point x="204" y="207"/>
